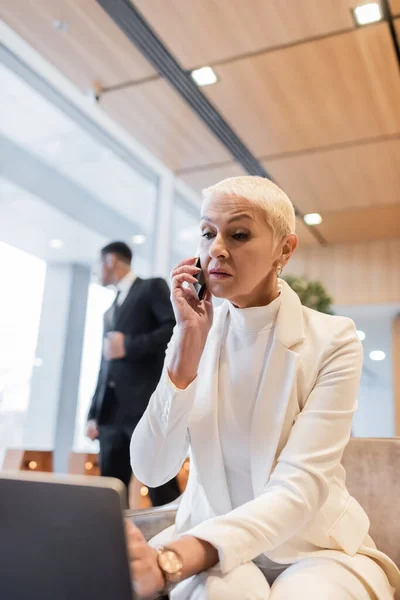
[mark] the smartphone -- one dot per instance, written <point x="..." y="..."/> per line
<point x="200" y="286"/>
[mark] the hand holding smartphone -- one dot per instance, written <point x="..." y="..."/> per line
<point x="200" y="287"/>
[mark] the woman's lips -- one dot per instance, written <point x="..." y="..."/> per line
<point x="219" y="275"/>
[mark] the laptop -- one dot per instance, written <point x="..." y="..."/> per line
<point x="62" y="538"/>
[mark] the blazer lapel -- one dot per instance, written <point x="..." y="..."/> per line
<point x="127" y="303"/>
<point x="275" y="388"/>
<point x="204" y="432"/>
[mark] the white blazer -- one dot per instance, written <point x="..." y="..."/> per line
<point x="301" y="425"/>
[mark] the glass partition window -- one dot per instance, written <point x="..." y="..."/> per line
<point x="44" y="130"/>
<point x="20" y="308"/>
<point x="99" y="300"/>
<point x="185" y="230"/>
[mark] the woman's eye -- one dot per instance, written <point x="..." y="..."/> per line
<point x="240" y="236"/>
<point x="207" y="234"/>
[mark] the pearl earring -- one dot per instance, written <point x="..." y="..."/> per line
<point x="279" y="270"/>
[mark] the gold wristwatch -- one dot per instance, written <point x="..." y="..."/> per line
<point x="170" y="563"/>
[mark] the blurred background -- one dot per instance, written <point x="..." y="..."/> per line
<point x="114" y="116"/>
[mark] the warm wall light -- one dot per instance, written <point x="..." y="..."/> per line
<point x="367" y="13"/>
<point x="138" y="239"/>
<point x="186" y="465"/>
<point x="361" y="335"/>
<point x="144" y="490"/>
<point x="312" y="219"/>
<point x="88" y="466"/>
<point x="377" y="355"/>
<point x="56" y="244"/>
<point x="32" y="465"/>
<point x="204" y="76"/>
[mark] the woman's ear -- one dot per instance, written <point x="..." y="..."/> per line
<point x="289" y="246"/>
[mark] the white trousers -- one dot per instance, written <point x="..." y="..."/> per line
<point x="309" y="579"/>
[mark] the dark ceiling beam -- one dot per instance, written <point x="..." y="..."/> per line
<point x="139" y="32"/>
<point x="130" y="20"/>
<point x="388" y="17"/>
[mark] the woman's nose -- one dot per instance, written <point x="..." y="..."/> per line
<point x="218" y="249"/>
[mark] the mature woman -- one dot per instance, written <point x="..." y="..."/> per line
<point x="260" y="393"/>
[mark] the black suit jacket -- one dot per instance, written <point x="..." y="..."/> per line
<point x="146" y="319"/>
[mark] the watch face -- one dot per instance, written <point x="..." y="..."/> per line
<point x="170" y="562"/>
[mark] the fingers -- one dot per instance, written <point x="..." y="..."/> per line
<point x="192" y="269"/>
<point x="207" y="296"/>
<point x="133" y="533"/>
<point x="178" y="280"/>
<point x="187" y="261"/>
<point x="184" y="273"/>
<point x="138" y="548"/>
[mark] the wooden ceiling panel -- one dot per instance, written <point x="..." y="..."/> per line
<point x="395" y="7"/>
<point x="362" y="273"/>
<point x="306" y="238"/>
<point x="92" y="49"/>
<point x="200" y="32"/>
<point x="156" y="116"/>
<point x="203" y="178"/>
<point x="358" y="225"/>
<point x="351" y="177"/>
<point x="330" y="91"/>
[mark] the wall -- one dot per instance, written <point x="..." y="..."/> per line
<point x="364" y="282"/>
<point x="363" y="273"/>
<point x="376" y="397"/>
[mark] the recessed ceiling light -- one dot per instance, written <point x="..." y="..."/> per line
<point x="56" y="244"/>
<point x="361" y="335"/>
<point x="204" y="76"/>
<point x="312" y="219"/>
<point x="367" y="13"/>
<point x="377" y="355"/>
<point x="138" y="239"/>
<point x="37" y="362"/>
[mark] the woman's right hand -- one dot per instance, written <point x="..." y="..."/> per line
<point x="190" y="312"/>
<point x="194" y="318"/>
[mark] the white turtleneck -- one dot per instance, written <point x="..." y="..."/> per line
<point x="244" y="353"/>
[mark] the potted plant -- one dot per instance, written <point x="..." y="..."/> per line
<point x="311" y="293"/>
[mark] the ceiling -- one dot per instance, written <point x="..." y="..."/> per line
<point x="312" y="96"/>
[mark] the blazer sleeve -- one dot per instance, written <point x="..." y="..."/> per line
<point x="160" y="441"/>
<point x="93" y="405"/>
<point x="143" y="344"/>
<point x="299" y="484"/>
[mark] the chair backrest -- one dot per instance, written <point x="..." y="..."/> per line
<point x="373" y="478"/>
<point x="153" y="521"/>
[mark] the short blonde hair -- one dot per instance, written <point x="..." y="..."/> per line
<point x="278" y="209"/>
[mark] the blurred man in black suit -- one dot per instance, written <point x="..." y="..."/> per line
<point x="137" y="329"/>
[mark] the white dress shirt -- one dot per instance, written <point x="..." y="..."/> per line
<point x="124" y="285"/>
